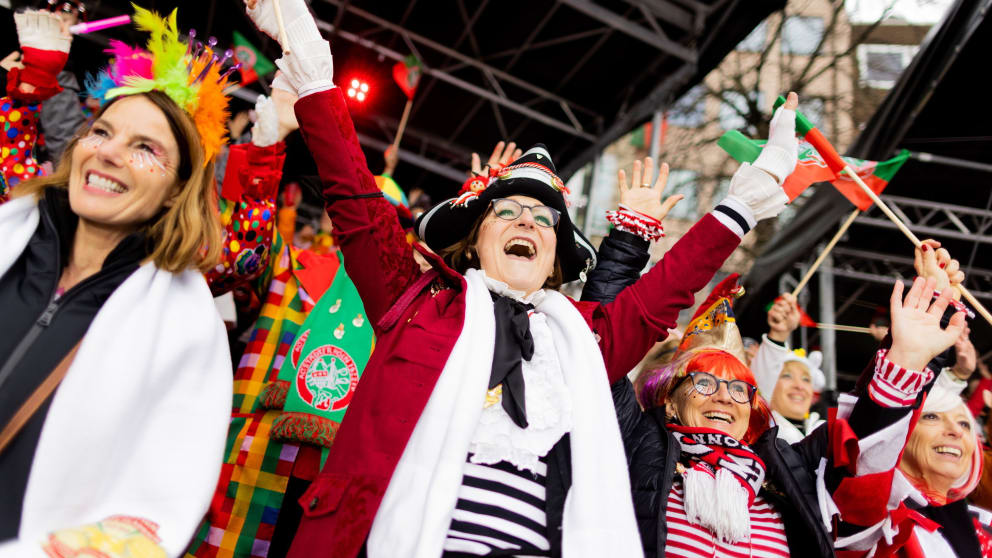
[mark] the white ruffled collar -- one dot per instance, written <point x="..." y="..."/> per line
<point x="535" y="298"/>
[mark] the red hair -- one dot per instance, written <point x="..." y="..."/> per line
<point x="662" y="382"/>
<point x="725" y="365"/>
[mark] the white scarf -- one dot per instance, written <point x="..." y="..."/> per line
<point x="789" y="432"/>
<point x="138" y="425"/>
<point x="415" y="514"/>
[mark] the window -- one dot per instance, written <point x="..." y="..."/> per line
<point x="881" y="65"/>
<point x="755" y="41"/>
<point x="689" y="110"/>
<point x="681" y="181"/>
<point x="734" y="106"/>
<point x="801" y="35"/>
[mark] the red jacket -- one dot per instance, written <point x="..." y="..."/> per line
<point x="416" y="328"/>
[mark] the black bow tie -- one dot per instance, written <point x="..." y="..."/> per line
<point x="513" y="344"/>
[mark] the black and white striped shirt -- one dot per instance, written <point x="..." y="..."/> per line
<point x="500" y="512"/>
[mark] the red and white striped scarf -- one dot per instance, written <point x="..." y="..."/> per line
<point x="722" y="479"/>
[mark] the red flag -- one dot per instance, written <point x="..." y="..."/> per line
<point x="407" y="74"/>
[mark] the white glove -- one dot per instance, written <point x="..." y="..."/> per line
<point x="280" y="82"/>
<point x="265" y="132"/>
<point x="42" y="30"/>
<point x="758" y="186"/>
<point x="309" y="67"/>
<point x="300" y="26"/>
<point x="781" y="153"/>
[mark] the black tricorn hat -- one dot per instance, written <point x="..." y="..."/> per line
<point x="532" y="175"/>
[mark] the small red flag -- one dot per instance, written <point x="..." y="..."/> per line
<point x="407" y="73"/>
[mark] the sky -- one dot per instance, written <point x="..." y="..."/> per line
<point x="914" y="11"/>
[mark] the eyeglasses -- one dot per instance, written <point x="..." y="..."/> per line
<point x="707" y="384"/>
<point x="508" y="209"/>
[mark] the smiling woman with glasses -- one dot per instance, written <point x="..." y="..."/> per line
<point x="510" y="209"/>
<point x="708" y="384"/>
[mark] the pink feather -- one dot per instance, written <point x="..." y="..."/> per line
<point x="128" y="61"/>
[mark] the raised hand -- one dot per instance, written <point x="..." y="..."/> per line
<point x="12" y="60"/>
<point x="503" y="154"/>
<point x="263" y="15"/>
<point x="284" y="101"/>
<point x="966" y="357"/>
<point x="930" y="260"/>
<point x="916" y="333"/>
<point x="643" y="196"/>
<point x="783" y="318"/>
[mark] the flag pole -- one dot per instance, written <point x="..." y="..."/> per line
<point x="838" y="327"/>
<point x="283" y="38"/>
<point x="823" y="255"/>
<point x="912" y="237"/>
<point x="403" y="119"/>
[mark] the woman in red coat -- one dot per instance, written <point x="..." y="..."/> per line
<point x="484" y="424"/>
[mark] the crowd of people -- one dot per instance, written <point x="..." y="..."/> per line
<point x="414" y="383"/>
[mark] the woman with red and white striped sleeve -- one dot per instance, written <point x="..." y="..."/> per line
<point x="918" y="509"/>
<point x="710" y="478"/>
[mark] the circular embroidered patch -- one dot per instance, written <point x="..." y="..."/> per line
<point x="327" y="378"/>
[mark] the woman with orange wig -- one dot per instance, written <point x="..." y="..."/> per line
<point x="709" y="475"/>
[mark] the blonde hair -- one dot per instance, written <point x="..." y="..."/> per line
<point x="186" y="234"/>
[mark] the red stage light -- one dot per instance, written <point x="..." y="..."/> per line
<point x="358" y="90"/>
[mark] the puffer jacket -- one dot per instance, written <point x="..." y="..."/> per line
<point x="622" y="256"/>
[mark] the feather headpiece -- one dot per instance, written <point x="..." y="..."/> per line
<point x="189" y="73"/>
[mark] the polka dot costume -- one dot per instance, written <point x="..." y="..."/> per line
<point x="18" y="136"/>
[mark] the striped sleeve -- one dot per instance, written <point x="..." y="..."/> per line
<point x="735" y="216"/>
<point x="895" y="386"/>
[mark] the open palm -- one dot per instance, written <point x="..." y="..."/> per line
<point x="917" y="336"/>
<point x="643" y="196"/>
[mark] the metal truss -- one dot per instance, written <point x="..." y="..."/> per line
<point x="929" y="218"/>
<point x="862" y="265"/>
<point x="654" y="36"/>
<point x="406" y="155"/>
<point x="490" y="84"/>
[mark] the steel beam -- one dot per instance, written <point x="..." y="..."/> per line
<point x="932" y="218"/>
<point x="414" y="159"/>
<point x="460" y="83"/>
<point x="452" y="53"/>
<point x="632" y="29"/>
<point x="666" y="11"/>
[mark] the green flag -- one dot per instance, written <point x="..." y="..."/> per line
<point x="324" y="364"/>
<point x="253" y="62"/>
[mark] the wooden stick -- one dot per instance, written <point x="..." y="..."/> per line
<point x="403" y="119"/>
<point x="282" y="27"/>
<point x="912" y="237"/>
<point x="837" y="327"/>
<point x="826" y="250"/>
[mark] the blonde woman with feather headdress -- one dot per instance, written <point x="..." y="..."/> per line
<point x="115" y="377"/>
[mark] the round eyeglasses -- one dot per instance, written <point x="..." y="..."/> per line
<point x="707" y="384"/>
<point x="508" y="209"/>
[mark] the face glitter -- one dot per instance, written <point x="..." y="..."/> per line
<point x="93" y="141"/>
<point x="143" y="159"/>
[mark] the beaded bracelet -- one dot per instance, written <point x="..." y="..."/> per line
<point x="634" y="222"/>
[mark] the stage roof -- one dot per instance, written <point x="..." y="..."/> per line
<point x="573" y="74"/>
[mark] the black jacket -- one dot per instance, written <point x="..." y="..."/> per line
<point x="36" y="331"/>
<point x="622" y="256"/>
<point x="652" y="452"/>
<point x="790" y="486"/>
